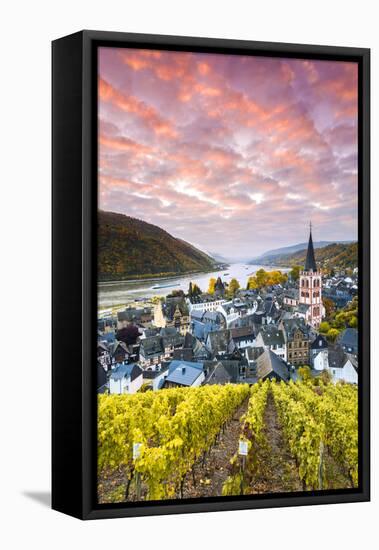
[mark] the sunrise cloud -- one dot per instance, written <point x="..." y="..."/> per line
<point x="234" y="153"/>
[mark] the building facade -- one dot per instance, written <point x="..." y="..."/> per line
<point x="172" y="312"/>
<point x="298" y="348"/>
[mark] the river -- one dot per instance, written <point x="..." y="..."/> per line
<point x="121" y="292"/>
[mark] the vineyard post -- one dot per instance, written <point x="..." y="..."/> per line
<point x="138" y="485"/>
<point x="243" y="473"/>
<point x="136" y="454"/>
<point x="320" y="466"/>
<point x="242" y="451"/>
<point x="130" y="478"/>
<point x="193" y="475"/>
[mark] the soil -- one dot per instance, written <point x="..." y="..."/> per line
<point x="210" y="478"/>
<point x="277" y="470"/>
<point x="335" y="476"/>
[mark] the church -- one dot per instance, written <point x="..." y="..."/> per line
<point x="310" y="288"/>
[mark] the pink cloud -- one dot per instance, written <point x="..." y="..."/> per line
<point x="131" y="104"/>
<point x="225" y="150"/>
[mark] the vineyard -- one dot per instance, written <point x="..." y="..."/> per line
<point x="186" y="442"/>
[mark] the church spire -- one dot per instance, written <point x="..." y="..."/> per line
<point x="310" y="262"/>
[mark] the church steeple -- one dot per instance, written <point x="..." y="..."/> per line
<point x="310" y="287"/>
<point x="310" y="262"/>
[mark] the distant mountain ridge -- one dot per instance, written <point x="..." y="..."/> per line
<point x="332" y="256"/>
<point x="131" y="248"/>
<point x="219" y="258"/>
<point x="294" y="248"/>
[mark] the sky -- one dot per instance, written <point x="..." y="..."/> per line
<point x="234" y="154"/>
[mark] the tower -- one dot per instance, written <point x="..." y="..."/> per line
<point x="310" y="288"/>
<point x="219" y="287"/>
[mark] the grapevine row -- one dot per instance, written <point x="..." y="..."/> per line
<point x="316" y="419"/>
<point x="173" y="429"/>
<point x="253" y="422"/>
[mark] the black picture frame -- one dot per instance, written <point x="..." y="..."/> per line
<point x="74" y="295"/>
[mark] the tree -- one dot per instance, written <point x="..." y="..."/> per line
<point x="128" y="334"/>
<point x="329" y="306"/>
<point x="261" y="278"/>
<point x="196" y="290"/>
<point x="258" y="280"/>
<point x="353" y="304"/>
<point x="251" y="283"/>
<point x="332" y="334"/>
<point x="275" y="278"/>
<point x="264" y="278"/>
<point x="233" y="287"/>
<point x="176" y="294"/>
<point x="211" y="286"/>
<point x="340" y="320"/>
<point x="353" y="322"/>
<point x="304" y="373"/>
<point x="324" y="327"/>
<point x="193" y="290"/>
<point x="325" y="376"/>
<point x="295" y="272"/>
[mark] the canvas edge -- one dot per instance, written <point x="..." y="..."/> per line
<point x="84" y="507"/>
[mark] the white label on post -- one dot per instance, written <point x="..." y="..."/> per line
<point x="242" y="448"/>
<point x="136" y="450"/>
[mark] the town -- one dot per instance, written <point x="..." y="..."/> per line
<point x="283" y="327"/>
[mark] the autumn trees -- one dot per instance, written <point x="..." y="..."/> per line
<point x="264" y="278"/>
<point x="337" y="320"/>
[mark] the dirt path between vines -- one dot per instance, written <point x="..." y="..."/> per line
<point x="210" y="478"/>
<point x="277" y="468"/>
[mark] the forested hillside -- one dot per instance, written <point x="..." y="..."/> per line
<point x="332" y="256"/>
<point x="131" y="248"/>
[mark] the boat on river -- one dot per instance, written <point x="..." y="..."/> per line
<point x="169" y="285"/>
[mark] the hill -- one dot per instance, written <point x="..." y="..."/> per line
<point x="293" y="248"/>
<point x="130" y="248"/>
<point x="332" y="256"/>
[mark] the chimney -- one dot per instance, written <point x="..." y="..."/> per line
<point x="183" y="370"/>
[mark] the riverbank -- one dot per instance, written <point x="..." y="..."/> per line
<point x="161" y="276"/>
<point x="114" y="293"/>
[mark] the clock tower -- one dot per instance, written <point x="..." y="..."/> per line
<point x="310" y="290"/>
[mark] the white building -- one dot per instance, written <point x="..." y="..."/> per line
<point x="125" y="379"/>
<point x="235" y="309"/>
<point x="346" y="373"/>
<point x="207" y="304"/>
<point x="271" y="338"/>
<point x="338" y="364"/>
<point x="320" y="361"/>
